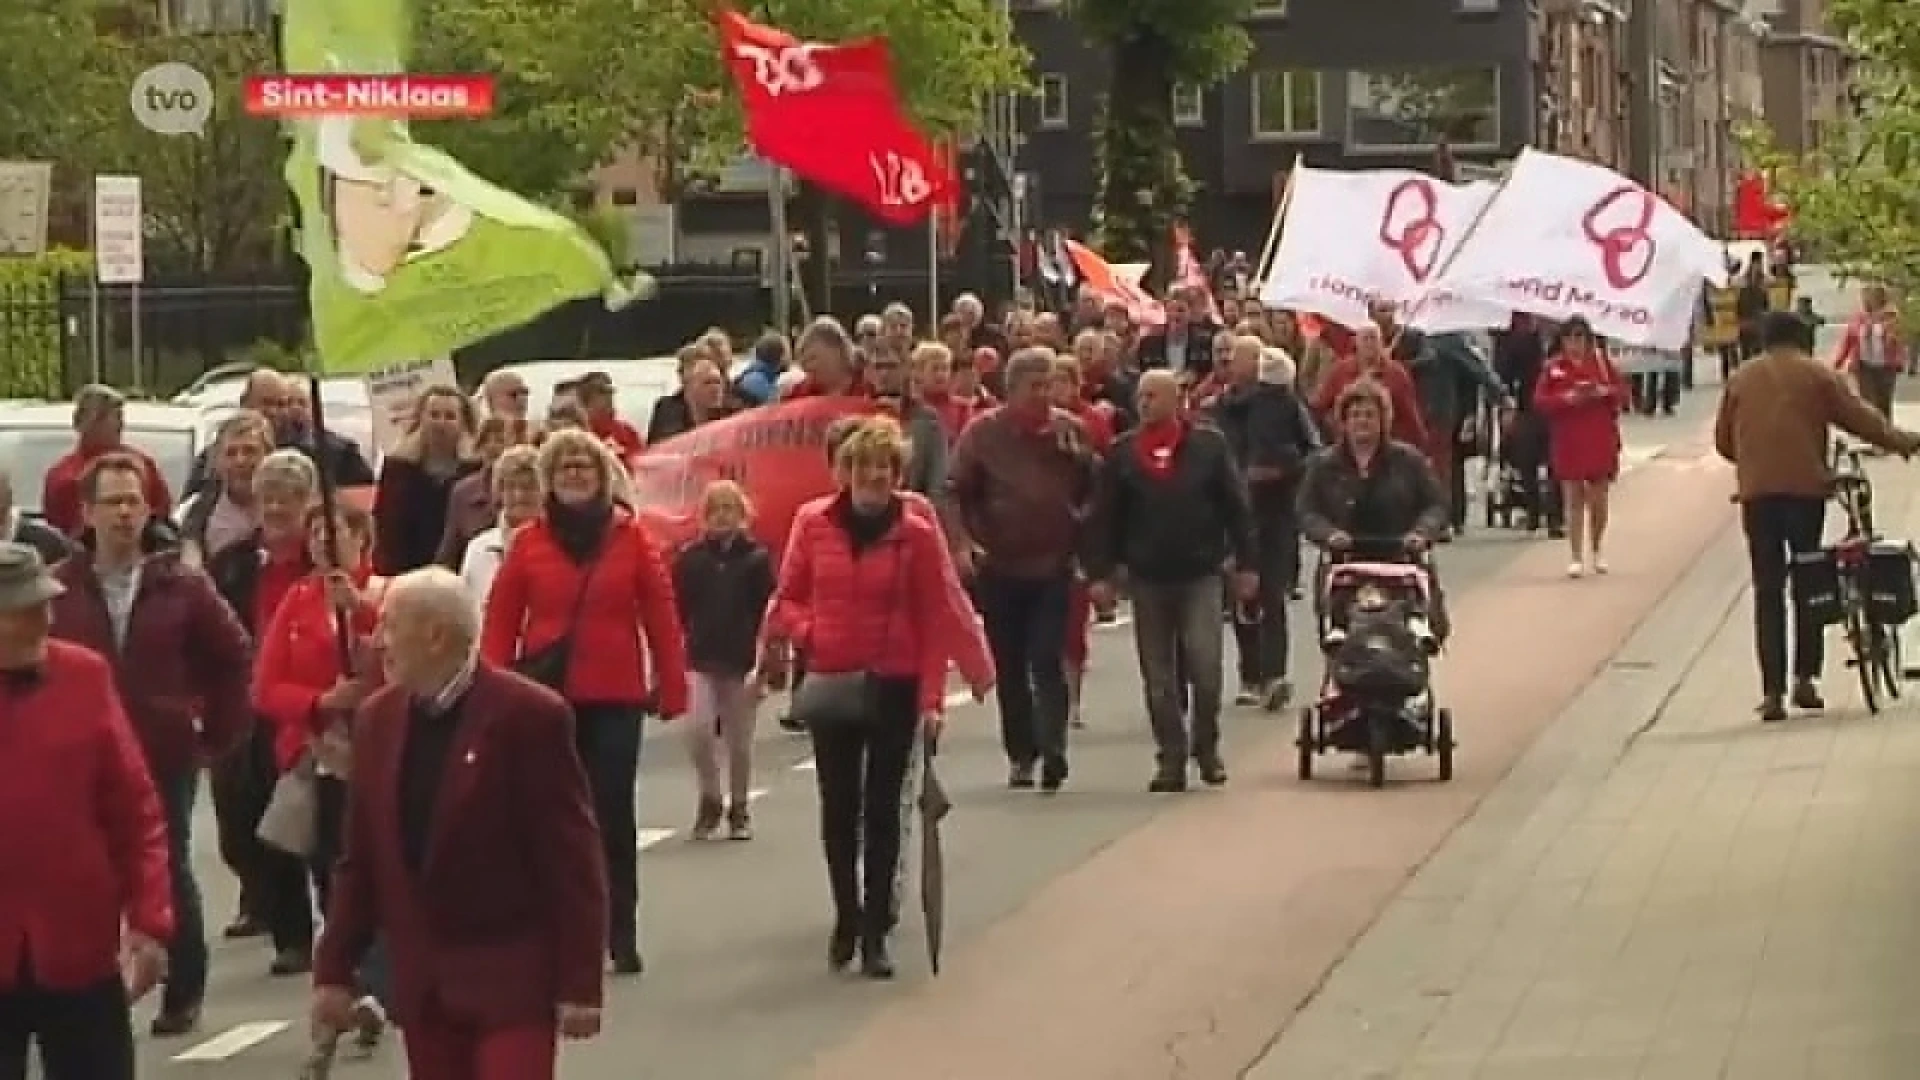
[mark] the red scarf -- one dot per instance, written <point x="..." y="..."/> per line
<point x="1158" y="446"/>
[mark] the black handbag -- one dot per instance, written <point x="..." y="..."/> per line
<point x="841" y="699"/>
<point x="548" y="665"/>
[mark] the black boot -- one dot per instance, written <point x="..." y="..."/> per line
<point x="875" y="963"/>
<point x="843" y="942"/>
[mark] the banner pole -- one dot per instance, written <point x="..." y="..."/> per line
<point x="1271" y="248"/>
<point x="780" y="251"/>
<point x="1473" y="226"/>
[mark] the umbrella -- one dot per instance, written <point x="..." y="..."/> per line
<point x="934" y="807"/>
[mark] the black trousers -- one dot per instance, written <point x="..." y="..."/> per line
<point x="187" y="957"/>
<point x="608" y="736"/>
<point x="81" y="1034"/>
<point x="1656" y="391"/>
<point x="1877" y="386"/>
<point x="1261" y="641"/>
<point x="861" y="772"/>
<point x="241" y="784"/>
<point x="1777" y="528"/>
<point x="1026" y="624"/>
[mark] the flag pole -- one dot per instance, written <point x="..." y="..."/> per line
<point x="780" y="252"/>
<point x="933" y="270"/>
<point x="1473" y="226"/>
<point x="1271" y="248"/>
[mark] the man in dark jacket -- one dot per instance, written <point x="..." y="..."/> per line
<point x="1271" y="434"/>
<point x="1449" y="375"/>
<point x="172" y="642"/>
<point x="19" y="528"/>
<point x="286" y="403"/>
<point x="1184" y="345"/>
<point x="1171" y="510"/>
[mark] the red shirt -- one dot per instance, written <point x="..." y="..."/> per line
<point x="60" y="493"/>
<point x="1408" y="425"/>
<point x="278" y="575"/>
<point x="84" y="844"/>
<point x="619" y="434"/>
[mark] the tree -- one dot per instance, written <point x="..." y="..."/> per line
<point x="1154" y="46"/>
<point x="1856" y="198"/>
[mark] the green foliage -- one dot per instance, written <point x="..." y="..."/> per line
<point x="1856" y="199"/>
<point x="1153" y="45"/>
<point x="30" y="328"/>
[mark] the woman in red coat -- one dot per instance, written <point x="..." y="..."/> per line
<point x="1581" y="395"/>
<point x="863" y="587"/>
<point x="85" y="899"/>
<point x="586" y="589"/>
<point x="308" y="701"/>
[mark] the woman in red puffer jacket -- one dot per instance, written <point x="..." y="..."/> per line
<point x="862" y="588"/>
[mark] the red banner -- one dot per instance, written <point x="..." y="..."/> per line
<point x="778" y="453"/>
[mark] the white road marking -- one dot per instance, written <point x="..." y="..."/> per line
<point x="756" y="795"/>
<point x="650" y="837"/>
<point x="958" y="698"/>
<point x="806" y="766"/>
<point x="233" y="1041"/>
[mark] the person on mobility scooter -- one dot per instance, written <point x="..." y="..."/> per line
<point x="1373" y="506"/>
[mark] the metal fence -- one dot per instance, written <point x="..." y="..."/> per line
<point x="57" y="334"/>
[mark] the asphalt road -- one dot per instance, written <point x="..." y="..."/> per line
<point x="736" y="986"/>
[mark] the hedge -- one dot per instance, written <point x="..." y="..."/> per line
<point x="30" y="330"/>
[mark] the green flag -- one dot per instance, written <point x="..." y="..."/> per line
<point x="411" y="255"/>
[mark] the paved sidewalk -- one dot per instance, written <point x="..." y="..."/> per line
<point x="1663" y="888"/>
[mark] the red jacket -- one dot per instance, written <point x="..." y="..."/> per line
<point x="1583" y="432"/>
<point x="1894" y="356"/>
<point x="955" y="413"/>
<point x="625" y="442"/>
<point x="1098" y="422"/>
<point x="185" y="659"/>
<point x="1409" y="426"/>
<point x="300" y="660"/>
<point x="60" y="491"/>
<point x="629" y="628"/>
<point x="84" y="845"/>
<point x="507" y="920"/>
<point x="882" y="611"/>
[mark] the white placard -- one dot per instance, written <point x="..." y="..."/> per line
<point x="25" y="187"/>
<point x="119" y="239"/>
<point x="392" y="393"/>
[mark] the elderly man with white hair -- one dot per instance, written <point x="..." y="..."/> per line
<point x="478" y="865"/>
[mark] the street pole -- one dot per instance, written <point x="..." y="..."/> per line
<point x="98" y="362"/>
<point x="780" y="260"/>
<point x="139" y="360"/>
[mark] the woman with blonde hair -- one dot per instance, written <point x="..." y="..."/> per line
<point x="863" y="588"/>
<point x="416" y="481"/>
<point x="516" y="491"/>
<point x="583" y="602"/>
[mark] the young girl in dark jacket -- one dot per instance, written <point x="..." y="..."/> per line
<point x="722" y="582"/>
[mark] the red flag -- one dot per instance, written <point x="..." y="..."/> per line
<point x="832" y="114"/>
<point x="1754" y="213"/>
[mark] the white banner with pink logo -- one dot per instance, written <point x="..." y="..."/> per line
<point x="1564" y="237"/>
<point x="1348" y="239"/>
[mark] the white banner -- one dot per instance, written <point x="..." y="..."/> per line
<point x="392" y="394"/>
<point x="1565" y="238"/>
<point x="25" y="189"/>
<point x="119" y="233"/>
<point x="1350" y="238"/>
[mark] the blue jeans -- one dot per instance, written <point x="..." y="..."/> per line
<point x="187" y="954"/>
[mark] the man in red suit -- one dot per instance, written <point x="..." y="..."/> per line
<point x="471" y="850"/>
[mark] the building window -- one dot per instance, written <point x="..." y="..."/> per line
<point x="1286" y="103"/>
<point x="1269" y="9"/>
<point x="1189" y="106"/>
<point x="1053" y="101"/>
<point x="1417" y="108"/>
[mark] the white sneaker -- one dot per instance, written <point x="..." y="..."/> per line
<point x="1599" y="565"/>
<point x="1576" y="569"/>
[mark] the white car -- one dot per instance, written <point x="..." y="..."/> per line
<point x="343" y="401"/>
<point x="35" y="434"/>
<point x="637" y="384"/>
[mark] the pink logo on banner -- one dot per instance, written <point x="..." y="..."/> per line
<point x="1410" y="226"/>
<point x="1620" y="225"/>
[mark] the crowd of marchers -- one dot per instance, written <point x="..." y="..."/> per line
<point x="420" y="724"/>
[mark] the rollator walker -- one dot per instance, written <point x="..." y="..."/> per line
<point x="1376" y="691"/>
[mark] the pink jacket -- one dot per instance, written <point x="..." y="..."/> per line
<point x="896" y="609"/>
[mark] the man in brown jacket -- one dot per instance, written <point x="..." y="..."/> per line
<point x="1774" y="424"/>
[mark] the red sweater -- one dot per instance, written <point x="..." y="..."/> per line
<point x="627" y="646"/>
<point x="880" y="611"/>
<point x="1408" y="424"/>
<point x="60" y="491"/>
<point x="299" y="660"/>
<point x="84" y="844"/>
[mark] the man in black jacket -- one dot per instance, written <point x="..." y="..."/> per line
<point x="1171" y="508"/>
<point x="1270" y="433"/>
<point x="1184" y="345"/>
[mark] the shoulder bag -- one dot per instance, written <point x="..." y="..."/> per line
<point x="843" y="699"/>
<point x="548" y="665"/>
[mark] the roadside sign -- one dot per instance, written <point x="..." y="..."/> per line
<point x="119" y="247"/>
<point x="25" y="188"/>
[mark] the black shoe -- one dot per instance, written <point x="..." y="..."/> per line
<point x="1772" y="710"/>
<point x="1213" y="772"/>
<point x="788" y="723"/>
<point x="1806" y="696"/>
<point x="1168" y="781"/>
<point x="1053" y="774"/>
<point x="243" y="926"/>
<point x="175" y="1020"/>
<point x="843" y="943"/>
<point x="874" y="961"/>
<point x="296" y="961"/>
<point x="626" y="960"/>
<point x="1020" y="775"/>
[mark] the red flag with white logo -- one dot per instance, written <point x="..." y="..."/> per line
<point x="832" y="114"/>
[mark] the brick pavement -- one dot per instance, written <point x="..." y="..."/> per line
<point x="1663" y="889"/>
